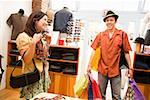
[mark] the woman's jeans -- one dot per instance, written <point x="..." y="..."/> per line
<point x="115" y="83"/>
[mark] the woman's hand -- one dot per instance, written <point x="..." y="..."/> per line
<point x="37" y="38"/>
<point x="48" y="38"/>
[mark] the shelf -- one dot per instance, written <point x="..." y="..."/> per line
<point x="61" y="73"/>
<point x="13" y="55"/>
<point x="66" y="47"/>
<point x="143" y="54"/>
<point x="12" y="41"/>
<point x="61" y="60"/>
<point x="143" y="70"/>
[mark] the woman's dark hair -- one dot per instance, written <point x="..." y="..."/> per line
<point x="30" y="25"/>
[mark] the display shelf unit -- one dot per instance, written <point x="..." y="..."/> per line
<point x="65" y="59"/>
<point x="12" y="57"/>
<point x="12" y="53"/>
<point x="142" y="73"/>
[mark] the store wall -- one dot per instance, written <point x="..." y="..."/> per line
<point x="8" y="7"/>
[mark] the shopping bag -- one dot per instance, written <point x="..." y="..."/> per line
<point x="94" y="91"/>
<point x="137" y="93"/>
<point x="129" y="93"/>
<point x="80" y="85"/>
<point x="84" y="95"/>
<point x="124" y="86"/>
<point x="96" y="58"/>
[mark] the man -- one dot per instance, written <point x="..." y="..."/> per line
<point x="111" y="41"/>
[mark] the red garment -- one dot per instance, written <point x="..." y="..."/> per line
<point x="110" y="51"/>
<point x="96" y="91"/>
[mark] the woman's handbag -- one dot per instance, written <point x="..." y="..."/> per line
<point x="24" y="79"/>
<point x="96" y="58"/>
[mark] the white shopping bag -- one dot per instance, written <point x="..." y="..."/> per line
<point x="125" y="88"/>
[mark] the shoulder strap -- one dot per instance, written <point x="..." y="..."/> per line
<point x="19" y="61"/>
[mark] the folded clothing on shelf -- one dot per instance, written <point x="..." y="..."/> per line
<point x="141" y="65"/>
<point x="14" y="51"/>
<point x="55" y="55"/>
<point x="69" y="70"/>
<point x="55" y="68"/>
<point x="68" y="56"/>
<point x="142" y="77"/>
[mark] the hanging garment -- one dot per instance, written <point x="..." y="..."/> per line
<point x="18" y="23"/>
<point x="61" y="18"/>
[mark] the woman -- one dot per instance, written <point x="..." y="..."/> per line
<point x="34" y="45"/>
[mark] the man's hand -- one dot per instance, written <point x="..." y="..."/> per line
<point x="89" y="69"/>
<point x="130" y="73"/>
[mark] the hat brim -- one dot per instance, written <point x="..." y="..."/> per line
<point x="111" y="15"/>
<point x="139" y="40"/>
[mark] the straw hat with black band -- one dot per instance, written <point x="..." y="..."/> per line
<point x="110" y="14"/>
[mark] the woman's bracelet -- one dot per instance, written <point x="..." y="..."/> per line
<point x="131" y="69"/>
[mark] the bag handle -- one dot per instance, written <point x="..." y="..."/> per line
<point x="20" y="62"/>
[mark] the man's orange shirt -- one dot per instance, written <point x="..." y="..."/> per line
<point x="110" y="51"/>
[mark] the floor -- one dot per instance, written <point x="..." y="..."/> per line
<point x="8" y="94"/>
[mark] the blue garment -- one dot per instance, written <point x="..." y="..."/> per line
<point x="61" y="18"/>
<point x="90" y="92"/>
